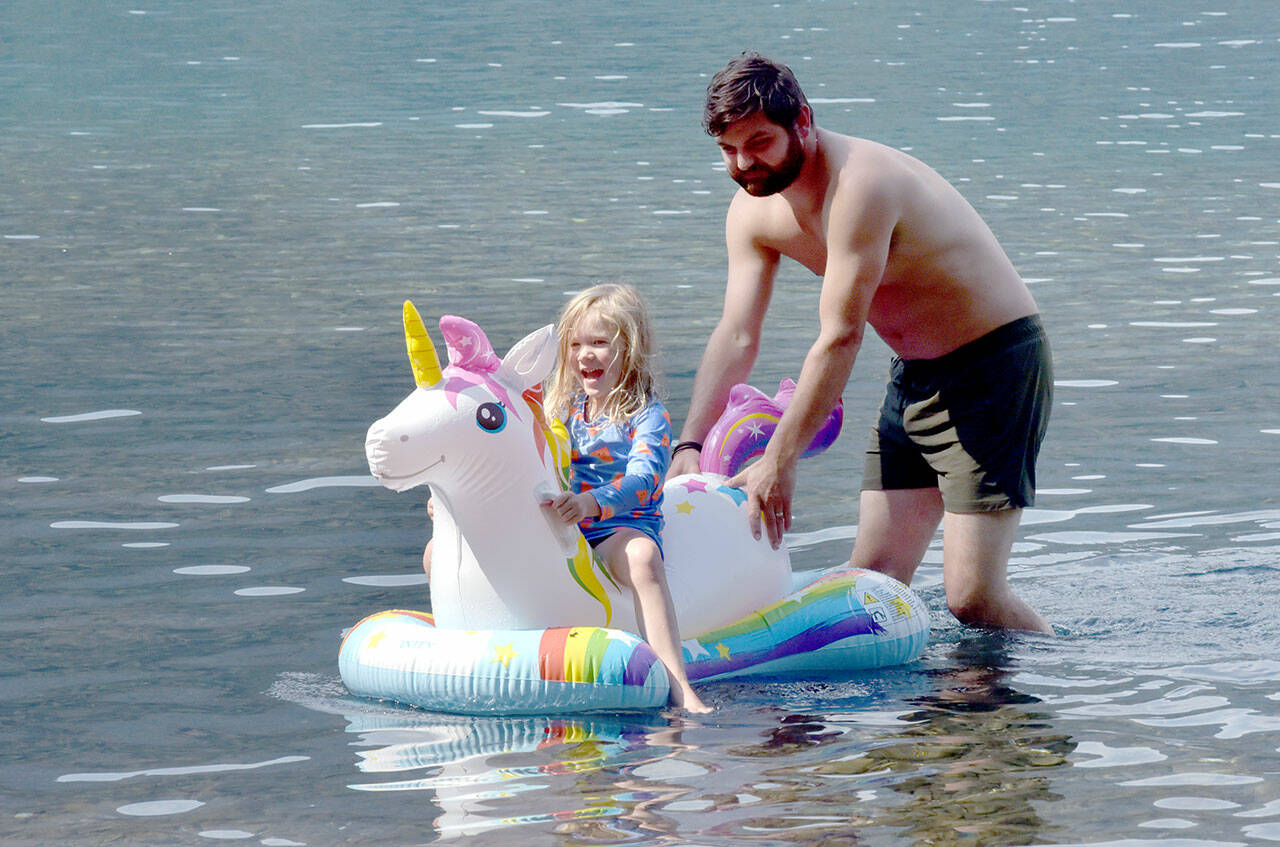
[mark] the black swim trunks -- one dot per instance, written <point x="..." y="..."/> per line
<point x="968" y="423"/>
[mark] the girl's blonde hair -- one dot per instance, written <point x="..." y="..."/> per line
<point x="621" y="307"/>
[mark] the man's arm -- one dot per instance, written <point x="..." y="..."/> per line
<point x="735" y="342"/>
<point x="859" y="234"/>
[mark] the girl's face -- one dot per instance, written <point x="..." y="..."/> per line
<point x="596" y="358"/>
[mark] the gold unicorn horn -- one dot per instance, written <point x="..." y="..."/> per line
<point x="422" y="353"/>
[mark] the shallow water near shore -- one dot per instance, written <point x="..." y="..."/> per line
<point x="210" y="216"/>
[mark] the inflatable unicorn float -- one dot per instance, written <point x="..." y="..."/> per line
<point x="525" y="620"/>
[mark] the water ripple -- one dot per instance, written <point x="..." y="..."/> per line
<point x="102" y="415"/>
<point x="1237" y="673"/>
<point x="112" y="776"/>
<point x="1235" y="723"/>
<point x="113" y="525"/>
<point x="1116" y="757"/>
<point x="159" y="807"/>
<point x="324" y="482"/>
<point x="388" y="580"/>
<point x="1196" y="778"/>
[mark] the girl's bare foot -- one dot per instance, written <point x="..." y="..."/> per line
<point x="685" y="698"/>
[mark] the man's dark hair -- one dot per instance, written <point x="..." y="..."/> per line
<point x="750" y="83"/>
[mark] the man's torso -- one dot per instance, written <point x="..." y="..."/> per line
<point x="946" y="280"/>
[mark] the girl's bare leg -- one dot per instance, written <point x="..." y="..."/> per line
<point x="634" y="561"/>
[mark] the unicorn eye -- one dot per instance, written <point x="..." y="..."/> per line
<point x="491" y="417"/>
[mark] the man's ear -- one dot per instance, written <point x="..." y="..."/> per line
<point x="804" y="122"/>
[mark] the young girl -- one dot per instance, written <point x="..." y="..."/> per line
<point x="621" y="447"/>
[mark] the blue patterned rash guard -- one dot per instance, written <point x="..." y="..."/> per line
<point x="623" y="466"/>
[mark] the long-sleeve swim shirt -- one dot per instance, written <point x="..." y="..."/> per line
<point x="622" y="465"/>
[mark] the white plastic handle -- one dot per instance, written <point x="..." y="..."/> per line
<point x="566" y="534"/>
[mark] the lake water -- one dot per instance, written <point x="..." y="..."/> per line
<point x="210" y="214"/>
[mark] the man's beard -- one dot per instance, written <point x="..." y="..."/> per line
<point x="764" y="180"/>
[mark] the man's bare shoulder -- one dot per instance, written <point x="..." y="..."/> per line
<point x="859" y="167"/>
<point x="859" y="153"/>
<point x="759" y="218"/>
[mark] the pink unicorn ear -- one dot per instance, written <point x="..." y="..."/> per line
<point x="743" y="395"/>
<point x="786" y="388"/>
<point x="468" y="346"/>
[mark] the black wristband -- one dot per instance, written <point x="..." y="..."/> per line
<point x="686" y="445"/>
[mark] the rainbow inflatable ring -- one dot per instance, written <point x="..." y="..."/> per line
<point x="525" y="620"/>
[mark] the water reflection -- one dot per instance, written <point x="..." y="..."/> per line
<point x="641" y="794"/>
<point x="968" y="763"/>
<point x="983" y="752"/>
<point x="969" y="759"/>
<point x="487" y="775"/>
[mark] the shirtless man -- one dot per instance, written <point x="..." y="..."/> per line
<point x="900" y="249"/>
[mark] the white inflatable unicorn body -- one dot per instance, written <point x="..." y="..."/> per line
<point x="474" y="432"/>
<point x="525" y="620"/>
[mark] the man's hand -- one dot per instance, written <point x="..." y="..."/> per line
<point x="686" y="461"/>
<point x="768" y="488"/>
<point x="573" y="508"/>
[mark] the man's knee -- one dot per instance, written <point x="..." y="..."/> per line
<point x="895" y="529"/>
<point x="897" y="567"/>
<point x="974" y="605"/>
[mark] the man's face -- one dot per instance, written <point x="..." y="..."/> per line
<point x="761" y="156"/>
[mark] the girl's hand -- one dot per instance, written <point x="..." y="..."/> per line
<point x="572" y="508"/>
